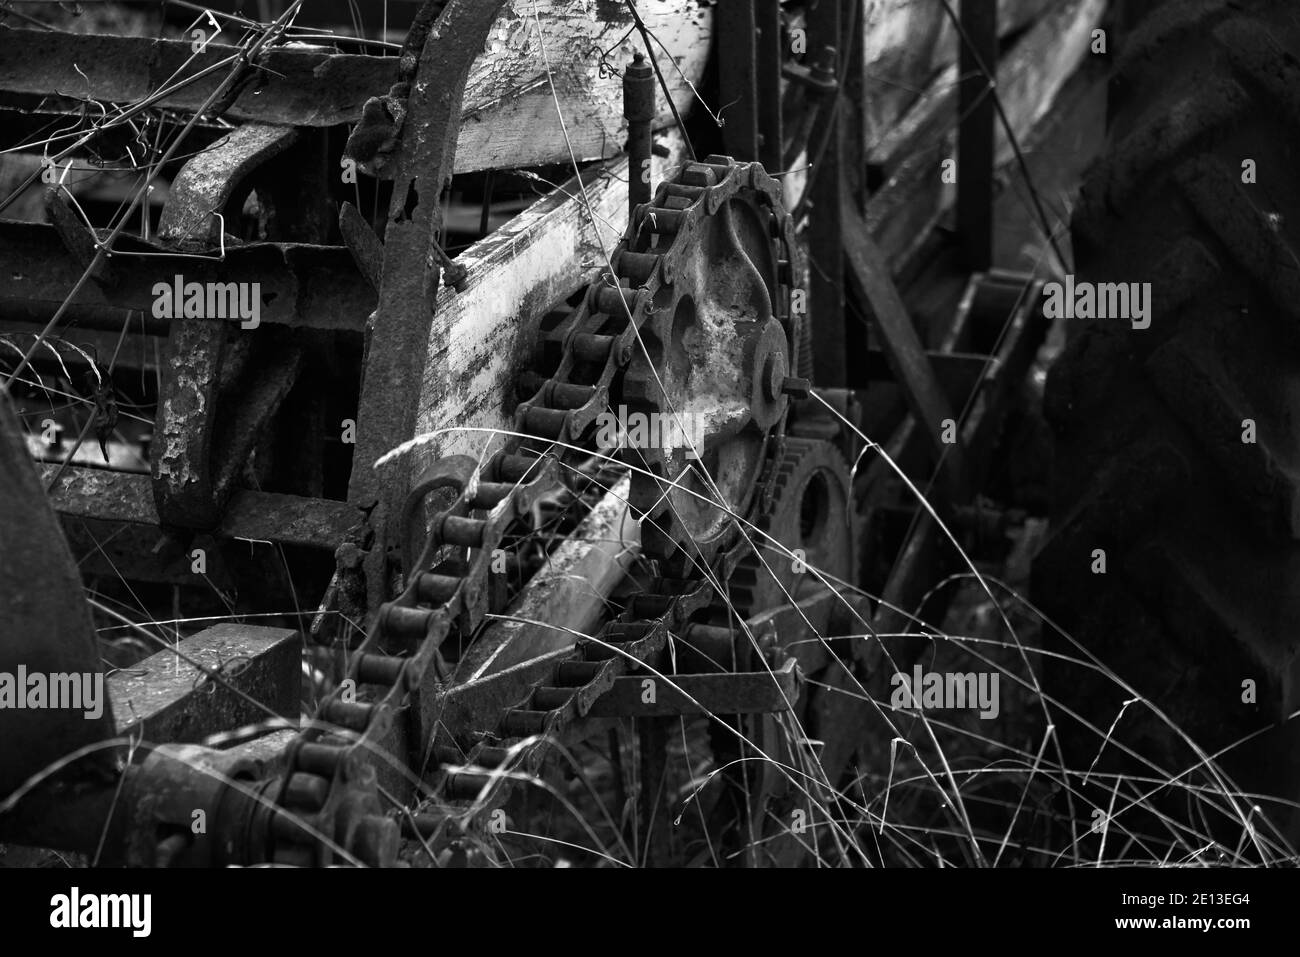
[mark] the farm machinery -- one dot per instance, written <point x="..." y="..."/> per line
<point x="417" y="419"/>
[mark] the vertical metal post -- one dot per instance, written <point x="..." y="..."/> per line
<point x="852" y="134"/>
<point x="738" y="77"/>
<point x="825" y="246"/>
<point x="404" y="334"/>
<point x="769" y="57"/>
<point x="979" y="63"/>
<point x="639" y="110"/>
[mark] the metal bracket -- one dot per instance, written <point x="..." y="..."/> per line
<point x="210" y="179"/>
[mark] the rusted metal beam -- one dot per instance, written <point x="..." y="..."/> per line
<point x="291" y="87"/>
<point x="307" y="287"/>
<point x="101" y="495"/>
<point x="401" y="337"/>
<point x="870" y="271"/>
<point x="190" y="381"/>
<point x="212" y="412"/>
<point x="507" y="118"/>
<point x="208" y="180"/>
<point x="166" y="699"/>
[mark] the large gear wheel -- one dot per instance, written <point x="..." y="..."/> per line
<point x="711" y="258"/>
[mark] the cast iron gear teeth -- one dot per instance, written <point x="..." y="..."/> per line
<point x="809" y="517"/>
<point x="710" y="258"/>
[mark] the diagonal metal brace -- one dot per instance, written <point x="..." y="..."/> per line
<point x="869" y="270"/>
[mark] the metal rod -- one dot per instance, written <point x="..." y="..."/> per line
<point x="979" y="53"/>
<point x="639" y="110"/>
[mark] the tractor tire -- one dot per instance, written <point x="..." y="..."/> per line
<point x="1176" y="509"/>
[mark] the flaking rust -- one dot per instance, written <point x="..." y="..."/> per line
<point x="182" y="416"/>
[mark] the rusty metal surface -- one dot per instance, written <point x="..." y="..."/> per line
<point x="169" y="698"/>
<point x="399" y="656"/>
<point x="215" y="401"/>
<point x="189" y="384"/>
<point x="101" y="495"/>
<point x="168" y="783"/>
<point x="528" y="679"/>
<point x="365" y="246"/>
<point x="401" y="336"/>
<point x="292" y="87"/>
<point x="208" y="180"/>
<point x="304" y="286"/>
<point x="716" y="347"/>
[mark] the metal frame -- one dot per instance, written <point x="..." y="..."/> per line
<point x="406" y="267"/>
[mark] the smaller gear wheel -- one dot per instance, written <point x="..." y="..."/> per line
<point x="809" y="516"/>
<point x="803" y="542"/>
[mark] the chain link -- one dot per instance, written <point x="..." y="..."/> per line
<point x="326" y="764"/>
